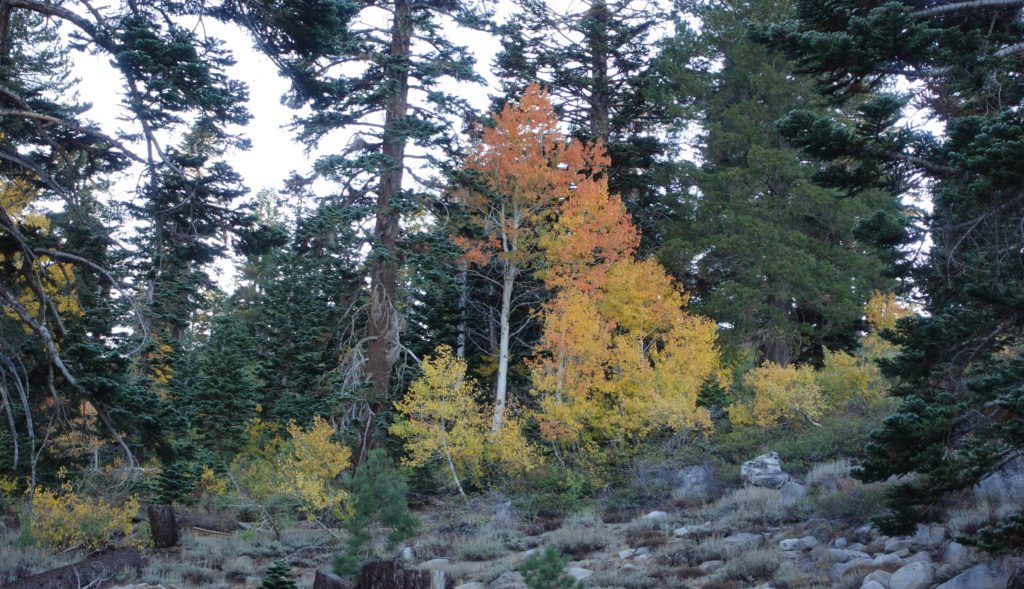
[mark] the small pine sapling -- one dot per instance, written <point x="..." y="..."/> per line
<point x="279" y="576"/>
<point x="546" y="570"/>
<point x="378" y="495"/>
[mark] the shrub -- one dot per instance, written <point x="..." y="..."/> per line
<point x="752" y="565"/>
<point x="65" y="520"/>
<point x="545" y="569"/>
<point x="279" y="576"/>
<point x="781" y="393"/>
<point x="578" y="541"/>
<point x="551" y="492"/>
<point x="480" y="548"/>
<point x="378" y="496"/>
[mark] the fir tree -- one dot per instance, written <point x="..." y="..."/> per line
<point x="960" y="369"/>
<point x="279" y="576"/>
<point x="775" y="258"/>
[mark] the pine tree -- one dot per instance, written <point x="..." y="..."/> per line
<point x="781" y="262"/>
<point x="279" y="576"/>
<point x="316" y="43"/>
<point x="961" y="365"/>
<point x="596" y="59"/>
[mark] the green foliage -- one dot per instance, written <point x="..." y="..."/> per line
<point x="545" y="569"/>
<point x="378" y="501"/>
<point x="279" y="576"/>
<point x="1004" y="537"/>
<point x="550" y="492"/>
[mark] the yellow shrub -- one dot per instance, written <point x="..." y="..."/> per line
<point x="65" y="520"/>
<point x="844" y="377"/>
<point x="780" y="393"/>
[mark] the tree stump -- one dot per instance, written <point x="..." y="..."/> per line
<point x="162" y="525"/>
<point x="388" y="574"/>
<point x="325" y="580"/>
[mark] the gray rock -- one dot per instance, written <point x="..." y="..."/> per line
<point x="872" y="584"/>
<point x="899" y="543"/>
<point x="407" y="554"/>
<point x="695" y="484"/>
<point x="805" y="543"/>
<point x="1005" y="486"/>
<point x="880" y="577"/>
<point x="837" y="571"/>
<point x="791" y="492"/>
<point x="437" y="563"/>
<point x="742" y="538"/>
<point x="579" y="573"/>
<point x="508" y="580"/>
<point x="929" y="535"/>
<point x="624" y="554"/>
<point x="326" y="580"/>
<point x="810" y="542"/>
<point x="471" y="585"/>
<point x="764" y="471"/>
<point x="957" y="555"/>
<point x="438" y="579"/>
<point x="839" y="543"/>
<point x="989" y="575"/>
<point x="841" y="555"/>
<point x="710" y="566"/>
<point x="859" y="547"/>
<point x="655" y="516"/>
<point x="864" y="534"/>
<point x="920" y="557"/>
<point x="917" y="575"/>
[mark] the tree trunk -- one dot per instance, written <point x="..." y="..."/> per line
<point x="162" y="525"/>
<point x="382" y="327"/>
<point x="463" y="304"/>
<point x="325" y="580"/>
<point x="388" y="574"/>
<point x="597" y="39"/>
<point x="501" y="387"/>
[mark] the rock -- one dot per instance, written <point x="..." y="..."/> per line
<point x="742" y="538"/>
<point x="695" y="484"/>
<point x="921" y="556"/>
<point x="841" y="555"/>
<point x="837" y="571"/>
<point x="253" y="582"/>
<point x="863" y="534"/>
<point x="710" y="566"/>
<point x="642" y="557"/>
<point x="624" y="554"/>
<point x="764" y="471"/>
<point x="872" y="584"/>
<point x="681" y="532"/>
<point x="839" y="543"/>
<point x="471" y="585"/>
<point x="880" y="577"/>
<point x="810" y="542"/>
<point x="916" y="575"/>
<point x="894" y="544"/>
<point x="791" y="492"/>
<point x="957" y="555"/>
<point x="655" y="516"/>
<point x="684" y="531"/>
<point x="407" y="554"/>
<point x="326" y="580"/>
<point x="1004" y="486"/>
<point x="990" y="575"/>
<point x="929" y="535"/>
<point x="805" y="543"/>
<point x="886" y="560"/>
<point x="508" y="580"/>
<point x="528" y="553"/>
<point x="855" y="546"/>
<point x="579" y="573"/>
<point x="437" y="563"/>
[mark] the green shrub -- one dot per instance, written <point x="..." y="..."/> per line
<point x="545" y="569"/>
<point x="279" y="576"/>
<point x="550" y="493"/>
<point x="378" y="495"/>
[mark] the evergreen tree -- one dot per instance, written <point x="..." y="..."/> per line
<point x="960" y="369"/>
<point x="778" y="260"/>
<point x="279" y="576"/>
<point x="317" y="44"/>
<point x="596" y="60"/>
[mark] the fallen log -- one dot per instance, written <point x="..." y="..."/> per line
<point x="94" y="571"/>
<point x="207" y="522"/>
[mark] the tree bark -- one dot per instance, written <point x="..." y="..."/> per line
<point x="501" y="387"/>
<point x="387" y="574"/>
<point x="325" y="580"/>
<point x="382" y="327"/>
<point x="597" y="39"/>
<point x="162" y="525"/>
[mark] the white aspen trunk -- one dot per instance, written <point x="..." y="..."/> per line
<point x="501" y="387"/>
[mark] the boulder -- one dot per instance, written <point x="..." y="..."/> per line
<point x="508" y="580"/>
<point x="1005" y="485"/>
<point x="710" y="566"/>
<point x="990" y="575"/>
<point x="695" y="484"/>
<point x="922" y="556"/>
<point x="742" y="538"/>
<point x="929" y="535"/>
<point x="655" y="516"/>
<point x="791" y="492"/>
<point x="471" y="585"/>
<point x="325" y="580"/>
<point x="437" y="563"/>
<point x="916" y="575"/>
<point x="880" y="577"/>
<point x="957" y="555"/>
<point x="899" y="543"/>
<point x="764" y="471"/>
<point x="872" y="584"/>
<point x="842" y="555"/>
<point x="579" y="573"/>
<point x="805" y="543"/>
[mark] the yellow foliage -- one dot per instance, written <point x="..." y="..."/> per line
<point x="623" y="361"/>
<point x="441" y="420"/>
<point x="210" y="483"/>
<point x="57" y="278"/>
<point x="304" y="467"/>
<point x="65" y="520"/>
<point x="780" y="393"/>
<point x="845" y="377"/>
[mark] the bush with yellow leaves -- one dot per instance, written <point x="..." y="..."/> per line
<point x="304" y="467"/>
<point x="441" y="421"/>
<point x="65" y="520"/>
<point x="780" y="393"/>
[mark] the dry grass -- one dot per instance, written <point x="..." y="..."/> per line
<point x="752" y="565"/>
<point x="577" y="540"/>
<point x="744" y="508"/>
<point x="645" y="533"/>
<point x="621" y="580"/>
<point x="827" y="475"/>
